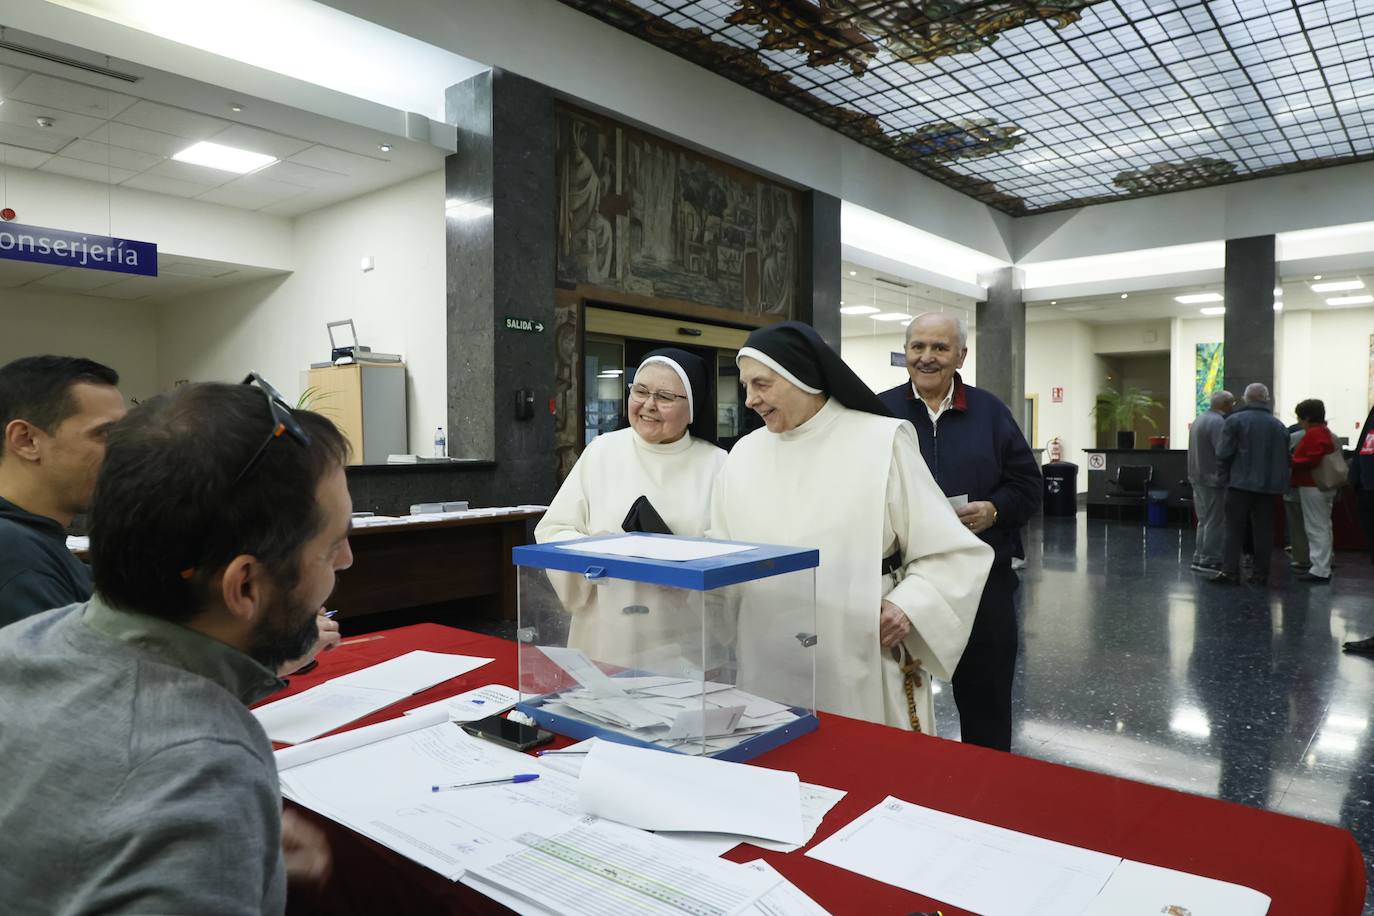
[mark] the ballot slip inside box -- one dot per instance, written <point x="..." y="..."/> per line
<point x="700" y="647"/>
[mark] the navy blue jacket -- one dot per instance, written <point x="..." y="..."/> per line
<point x="977" y="450"/>
<point x="1253" y="453"/>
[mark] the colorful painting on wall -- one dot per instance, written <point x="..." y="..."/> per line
<point x="1210" y="371"/>
<point x="641" y="215"/>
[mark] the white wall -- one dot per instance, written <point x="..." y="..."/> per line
<point x="1059" y="354"/>
<point x="277" y="326"/>
<point x="870" y="358"/>
<point x="1187" y="334"/>
<point x="120" y="334"/>
<point x="1127" y="337"/>
<point x="176" y="225"/>
<point x="1337" y="370"/>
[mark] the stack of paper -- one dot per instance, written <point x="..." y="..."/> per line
<point x="687" y="715"/>
<point x="348" y="698"/>
<point x="472" y="705"/>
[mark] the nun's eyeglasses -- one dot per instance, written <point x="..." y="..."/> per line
<point x="662" y="398"/>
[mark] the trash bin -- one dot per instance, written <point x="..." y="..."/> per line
<point x="1061" y="488"/>
<point x="1157" y="508"/>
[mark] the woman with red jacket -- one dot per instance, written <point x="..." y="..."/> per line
<point x="1316" y="503"/>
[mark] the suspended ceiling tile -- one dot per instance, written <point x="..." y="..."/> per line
<point x="78" y="279"/>
<point x="137" y="138"/>
<point x="20" y="273"/>
<point x="207" y="178"/>
<point x="64" y="95"/>
<point x="168" y="120"/>
<point x="161" y="185"/>
<point x="65" y="123"/>
<point x="252" y="193"/>
<point x="75" y="168"/>
<point x="303" y="175"/>
<point x="116" y="156"/>
<point x="241" y="136"/>
<point x="9" y="78"/>
<point x="34" y="138"/>
<point x="21" y="157"/>
<point x="337" y="160"/>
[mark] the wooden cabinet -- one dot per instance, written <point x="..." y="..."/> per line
<point x="366" y="402"/>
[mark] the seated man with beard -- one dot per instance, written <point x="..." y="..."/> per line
<point x="136" y="779"/>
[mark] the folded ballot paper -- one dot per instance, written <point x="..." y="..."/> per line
<point x="347" y="698"/>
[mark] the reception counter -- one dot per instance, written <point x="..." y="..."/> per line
<point x="1170" y="473"/>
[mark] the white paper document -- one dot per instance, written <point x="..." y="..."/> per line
<point x="785" y="899"/>
<point x="424" y="717"/>
<point x="660" y="791"/>
<point x="975" y="866"/>
<point x="472" y="705"/>
<point x="1137" y="889"/>
<point x="958" y="502"/>
<point x="345" y="699"/>
<point x="816" y="802"/>
<point x="646" y="547"/>
<point x="595" y="868"/>
<point x="583" y="670"/>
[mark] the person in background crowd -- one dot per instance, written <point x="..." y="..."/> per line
<point x="976" y="452"/>
<point x="55" y="412"/>
<point x="1298" y="557"/>
<point x="1209" y="486"/>
<point x="137" y="781"/>
<point x="1315" y="444"/>
<point x="1361" y="477"/>
<point x="1253" y="455"/>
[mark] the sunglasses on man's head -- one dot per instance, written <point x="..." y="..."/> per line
<point x="283" y="422"/>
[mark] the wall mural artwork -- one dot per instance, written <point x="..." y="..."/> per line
<point x="640" y="215"/>
<point x="1210" y="373"/>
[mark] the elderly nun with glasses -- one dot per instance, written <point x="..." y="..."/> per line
<point x="654" y="476"/>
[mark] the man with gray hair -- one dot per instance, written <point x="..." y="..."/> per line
<point x="1253" y="457"/>
<point x="1208" y="485"/>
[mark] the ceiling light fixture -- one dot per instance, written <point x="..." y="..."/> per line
<point x="224" y="158"/>
<point x="1194" y="298"/>
<point x="1350" y="300"/>
<point x="1278" y="306"/>
<point x="853" y="273"/>
<point x="1125" y="295"/>
<point x="236" y="107"/>
<point x="1317" y="277"/>
<point x="384" y="147"/>
<point x="1278" y="291"/>
<point x="1054" y="302"/>
<point x="858" y="310"/>
<point x="892" y="316"/>
<point x="1336" y="286"/>
<point x="1214" y="310"/>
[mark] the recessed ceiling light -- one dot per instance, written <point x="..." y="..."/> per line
<point x="1350" y="300"/>
<point x="224" y="158"/>
<point x="1124" y="295"/>
<point x="1194" y="298"/>
<point x="853" y="273"/>
<point x="384" y="147"/>
<point x="1054" y="302"/>
<point x="1278" y="291"/>
<point x="236" y="107"/>
<point x="1336" y="286"/>
<point x="892" y="316"/>
<point x="858" y="310"/>
<point x="1317" y="277"/>
<point x="1214" y="310"/>
<point x="1278" y="306"/>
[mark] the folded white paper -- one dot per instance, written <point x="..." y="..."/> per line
<point x="1136" y="888"/>
<point x="289" y="757"/>
<point x="472" y="705"/>
<point x="663" y="791"/>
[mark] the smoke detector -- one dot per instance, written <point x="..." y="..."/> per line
<point x="44" y="122"/>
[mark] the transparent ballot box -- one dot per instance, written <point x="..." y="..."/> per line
<point x="683" y="644"/>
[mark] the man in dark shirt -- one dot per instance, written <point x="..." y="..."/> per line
<point x="976" y="453"/>
<point x="55" y="412"/>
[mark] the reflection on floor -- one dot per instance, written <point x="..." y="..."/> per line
<point x="1133" y="665"/>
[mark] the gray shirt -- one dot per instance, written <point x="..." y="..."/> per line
<point x="1254" y="450"/>
<point x="1203" y="440"/>
<point x="136" y="780"/>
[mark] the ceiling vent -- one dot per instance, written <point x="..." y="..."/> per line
<point x="896" y="283"/>
<point x="7" y="45"/>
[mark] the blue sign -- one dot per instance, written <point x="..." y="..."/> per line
<point x="75" y="249"/>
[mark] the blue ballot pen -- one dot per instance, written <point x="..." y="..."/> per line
<point x="331" y="614"/>
<point x="518" y="777"/>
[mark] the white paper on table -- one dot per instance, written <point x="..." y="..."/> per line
<point x="785" y="899"/>
<point x="646" y="547"/>
<point x="568" y="760"/>
<point x="603" y="868"/>
<point x="1137" y="888"/>
<point x="289" y="757"/>
<point x="958" y="502"/>
<point x="583" y="670"/>
<point x="413" y="672"/>
<point x="816" y="802"/>
<point x="683" y="689"/>
<point x="320" y="709"/>
<point x="966" y="863"/>
<point x="471" y="705"/>
<point x="442" y="831"/>
<point x="700" y="722"/>
<point x="658" y="791"/>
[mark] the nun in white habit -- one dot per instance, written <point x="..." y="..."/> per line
<point x="899" y="578"/>
<point x="656" y="476"/>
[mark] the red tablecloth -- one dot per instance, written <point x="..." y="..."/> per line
<point x="1305" y="867"/>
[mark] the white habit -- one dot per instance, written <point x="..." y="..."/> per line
<point x="854" y="485"/>
<point x="615" y="470"/>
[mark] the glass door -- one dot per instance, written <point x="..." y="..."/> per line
<point x="605" y="386"/>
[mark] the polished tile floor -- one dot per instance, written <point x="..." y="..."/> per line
<point x="1132" y="665"/>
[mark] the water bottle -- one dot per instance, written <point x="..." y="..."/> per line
<point x="440" y="443"/>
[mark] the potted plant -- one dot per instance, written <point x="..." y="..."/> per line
<point x="1120" y="409"/>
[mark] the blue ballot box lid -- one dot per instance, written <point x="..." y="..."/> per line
<point x="758" y="562"/>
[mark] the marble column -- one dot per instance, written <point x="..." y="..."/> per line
<point x="1001" y="350"/>
<point x="1249" y="322"/>
<point x="818" y="280"/>
<point x="500" y="213"/>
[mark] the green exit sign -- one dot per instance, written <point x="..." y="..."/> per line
<point x="529" y="325"/>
